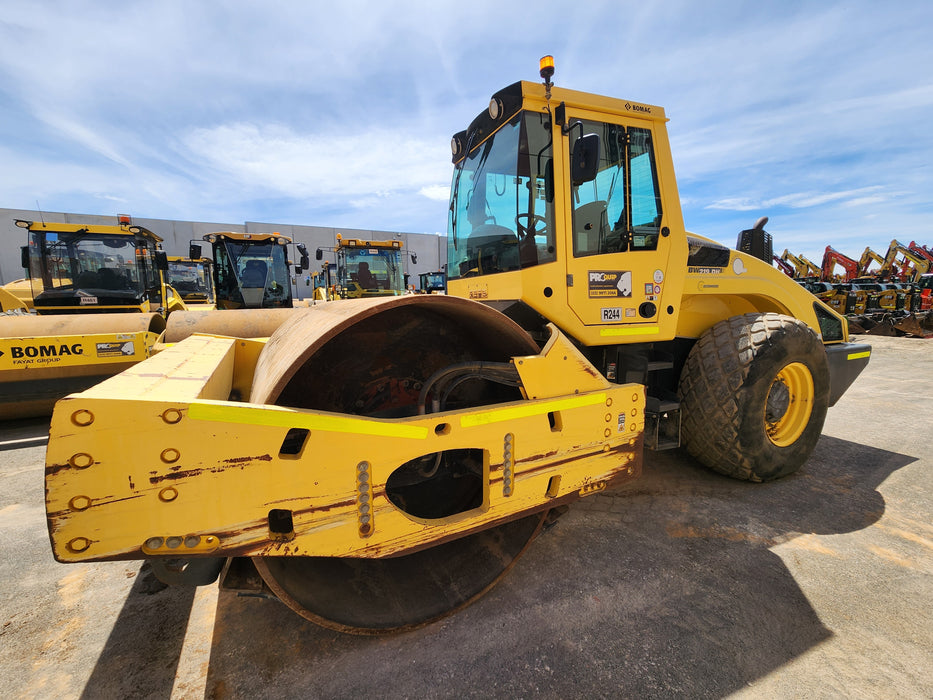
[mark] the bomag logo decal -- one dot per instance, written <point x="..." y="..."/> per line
<point x="43" y="354"/>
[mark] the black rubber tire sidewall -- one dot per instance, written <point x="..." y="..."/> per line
<point x="724" y="389"/>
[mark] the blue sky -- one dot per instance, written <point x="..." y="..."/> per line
<point x="816" y="114"/>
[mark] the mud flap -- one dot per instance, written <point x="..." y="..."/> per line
<point x="846" y="362"/>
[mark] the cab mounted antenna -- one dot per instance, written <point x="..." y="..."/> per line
<point x="546" y="70"/>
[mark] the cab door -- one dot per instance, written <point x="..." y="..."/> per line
<point x="619" y="245"/>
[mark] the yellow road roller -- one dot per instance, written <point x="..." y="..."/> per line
<point x="100" y="299"/>
<point x="379" y="463"/>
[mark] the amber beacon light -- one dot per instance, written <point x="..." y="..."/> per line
<point x="546" y="70"/>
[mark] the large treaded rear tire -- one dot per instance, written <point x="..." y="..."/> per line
<point x="725" y="387"/>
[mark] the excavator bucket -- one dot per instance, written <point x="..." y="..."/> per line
<point x="919" y="326"/>
<point x="885" y="327"/>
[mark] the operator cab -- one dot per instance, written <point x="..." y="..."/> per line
<point x="367" y="268"/>
<point x="251" y="270"/>
<point x="556" y="212"/>
<point x="75" y="268"/>
<point x="192" y="279"/>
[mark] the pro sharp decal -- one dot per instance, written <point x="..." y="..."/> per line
<point x="609" y="283"/>
<point x="115" y="349"/>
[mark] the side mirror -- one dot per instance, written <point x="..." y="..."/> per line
<point x="194" y="251"/>
<point x="584" y="162"/>
<point x="24" y="257"/>
<point x="319" y="255"/>
<point x="414" y="258"/>
<point x="161" y="260"/>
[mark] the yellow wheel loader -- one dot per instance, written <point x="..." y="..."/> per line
<point x="379" y="463"/>
<point x="100" y="298"/>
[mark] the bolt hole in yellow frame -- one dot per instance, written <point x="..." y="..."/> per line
<point x="785" y="430"/>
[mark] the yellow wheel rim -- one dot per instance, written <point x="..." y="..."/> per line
<point x="790" y="403"/>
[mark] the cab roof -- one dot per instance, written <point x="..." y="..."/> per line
<point x="238" y="236"/>
<point x="57" y="227"/>
<point x="528" y="95"/>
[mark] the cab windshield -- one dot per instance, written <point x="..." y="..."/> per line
<point x="191" y="279"/>
<point x="373" y="269"/>
<point x="63" y="264"/>
<point x="502" y="202"/>
<point x="253" y="273"/>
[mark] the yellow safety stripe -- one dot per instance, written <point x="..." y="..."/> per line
<point x="637" y="330"/>
<point x="285" y="418"/>
<point x="859" y="355"/>
<point x="535" y="409"/>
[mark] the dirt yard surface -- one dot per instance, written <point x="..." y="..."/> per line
<point x="683" y="584"/>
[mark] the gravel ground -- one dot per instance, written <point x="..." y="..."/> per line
<point x="684" y="583"/>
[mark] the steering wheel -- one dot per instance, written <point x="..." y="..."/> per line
<point x="532" y="226"/>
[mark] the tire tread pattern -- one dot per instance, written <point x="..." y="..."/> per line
<point x="712" y="389"/>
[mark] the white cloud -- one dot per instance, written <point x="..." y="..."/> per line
<point x="802" y="200"/>
<point x="340" y="114"/>
<point x="439" y="193"/>
<point x="277" y="160"/>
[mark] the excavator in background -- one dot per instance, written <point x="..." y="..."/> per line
<point x="193" y="279"/>
<point x="911" y="263"/>
<point x="925" y="290"/>
<point x="100" y="297"/>
<point x="804" y="268"/>
<point x="252" y="270"/>
<point x="921" y="250"/>
<point x="868" y="257"/>
<point x="367" y="268"/>
<point x="379" y="463"/>
<point x="831" y="258"/>
<point x="784" y="267"/>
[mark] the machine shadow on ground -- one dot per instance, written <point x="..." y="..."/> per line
<point x="667" y="586"/>
<point x="142" y="652"/>
<point x="29" y="432"/>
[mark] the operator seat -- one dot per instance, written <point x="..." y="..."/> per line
<point x="254" y="274"/>
<point x="110" y="279"/>
<point x="493" y="248"/>
<point x="87" y="279"/>
<point x="590" y="226"/>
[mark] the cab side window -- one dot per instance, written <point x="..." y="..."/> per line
<point x="646" y="199"/>
<point x="620" y="209"/>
